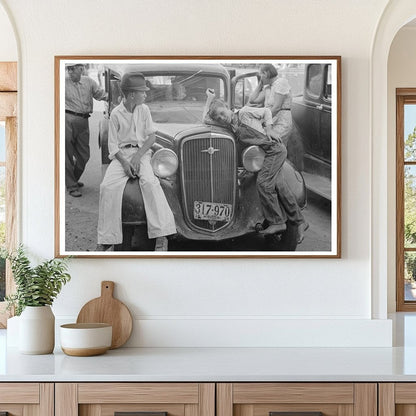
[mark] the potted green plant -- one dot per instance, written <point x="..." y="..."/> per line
<point x="36" y="289"/>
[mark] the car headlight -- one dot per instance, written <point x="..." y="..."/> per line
<point x="253" y="158"/>
<point x="164" y="163"/>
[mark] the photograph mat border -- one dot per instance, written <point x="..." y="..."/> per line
<point x="334" y="252"/>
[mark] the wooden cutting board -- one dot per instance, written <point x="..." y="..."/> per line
<point x="108" y="310"/>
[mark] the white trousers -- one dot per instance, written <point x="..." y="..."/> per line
<point x="160" y="220"/>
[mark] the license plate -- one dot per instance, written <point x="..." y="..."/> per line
<point x="212" y="211"/>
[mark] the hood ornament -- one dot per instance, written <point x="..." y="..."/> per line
<point x="211" y="150"/>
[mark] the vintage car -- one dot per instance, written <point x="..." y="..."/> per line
<point x="311" y="114"/>
<point x="209" y="181"/>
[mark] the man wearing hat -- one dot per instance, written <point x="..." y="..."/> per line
<point x="79" y="93"/>
<point x="130" y="138"/>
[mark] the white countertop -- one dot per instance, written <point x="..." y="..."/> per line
<point x="222" y="364"/>
<point x="215" y="364"/>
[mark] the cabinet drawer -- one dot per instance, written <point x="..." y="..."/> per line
<point x="138" y="393"/>
<point x="397" y="399"/>
<point x="147" y="399"/>
<point x="19" y="393"/>
<point x="21" y="399"/>
<point x="293" y="392"/>
<point x="297" y="399"/>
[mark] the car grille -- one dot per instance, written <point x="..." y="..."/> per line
<point x="208" y="174"/>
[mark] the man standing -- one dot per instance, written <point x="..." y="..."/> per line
<point x="79" y="93"/>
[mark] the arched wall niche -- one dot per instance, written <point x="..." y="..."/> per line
<point x="396" y="15"/>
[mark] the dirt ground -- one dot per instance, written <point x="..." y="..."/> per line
<point x="81" y="226"/>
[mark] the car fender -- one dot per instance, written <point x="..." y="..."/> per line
<point x="132" y="212"/>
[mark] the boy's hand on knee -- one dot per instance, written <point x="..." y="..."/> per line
<point x="269" y="132"/>
<point x="136" y="170"/>
<point x="272" y="135"/>
<point x="128" y="169"/>
<point x="135" y="161"/>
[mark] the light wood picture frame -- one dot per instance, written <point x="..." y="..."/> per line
<point x="220" y="185"/>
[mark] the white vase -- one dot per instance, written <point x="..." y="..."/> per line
<point x="37" y="330"/>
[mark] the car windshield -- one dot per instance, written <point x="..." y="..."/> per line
<point x="180" y="97"/>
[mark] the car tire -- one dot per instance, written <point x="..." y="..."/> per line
<point x="286" y="241"/>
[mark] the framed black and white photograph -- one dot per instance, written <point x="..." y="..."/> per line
<point x="198" y="156"/>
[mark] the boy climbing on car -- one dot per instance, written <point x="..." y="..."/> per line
<point x="253" y="126"/>
<point x="130" y="138"/>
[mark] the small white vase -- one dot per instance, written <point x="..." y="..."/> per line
<point x="37" y="330"/>
<point x="12" y="334"/>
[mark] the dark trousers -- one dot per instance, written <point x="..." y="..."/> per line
<point x="77" y="149"/>
<point x="267" y="179"/>
<point x="274" y="192"/>
<point x="288" y="200"/>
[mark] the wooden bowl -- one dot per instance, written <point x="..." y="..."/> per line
<point x="84" y="340"/>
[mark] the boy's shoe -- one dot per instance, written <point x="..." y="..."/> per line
<point x="75" y="193"/>
<point x="301" y="231"/>
<point x="105" y="247"/>
<point x="274" y="229"/>
<point x="161" y="244"/>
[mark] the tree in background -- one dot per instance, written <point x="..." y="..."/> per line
<point x="410" y="206"/>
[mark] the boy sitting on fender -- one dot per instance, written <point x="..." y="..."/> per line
<point x="247" y="124"/>
<point x="130" y="138"/>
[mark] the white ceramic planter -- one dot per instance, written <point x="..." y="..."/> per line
<point x="37" y="330"/>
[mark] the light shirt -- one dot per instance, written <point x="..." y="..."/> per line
<point x="79" y="95"/>
<point x="279" y="86"/>
<point x="256" y="118"/>
<point x="129" y="128"/>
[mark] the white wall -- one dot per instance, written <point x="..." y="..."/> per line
<point x="8" y="46"/>
<point x="212" y="302"/>
<point x="401" y="74"/>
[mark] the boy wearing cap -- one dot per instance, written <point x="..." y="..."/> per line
<point x="130" y="138"/>
<point x="79" y="93"/>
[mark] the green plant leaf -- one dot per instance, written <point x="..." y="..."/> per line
<point x="35" y="286"/>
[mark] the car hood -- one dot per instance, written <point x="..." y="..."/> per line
<point x="173" y="132"/>
<point x="172" y="129"/>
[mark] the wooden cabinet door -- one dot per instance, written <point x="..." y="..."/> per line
<point x="397" y="399"/>
<point x="297" y="399"/>
<point x="143" y="399"/>
<point x="26" y="399"/>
